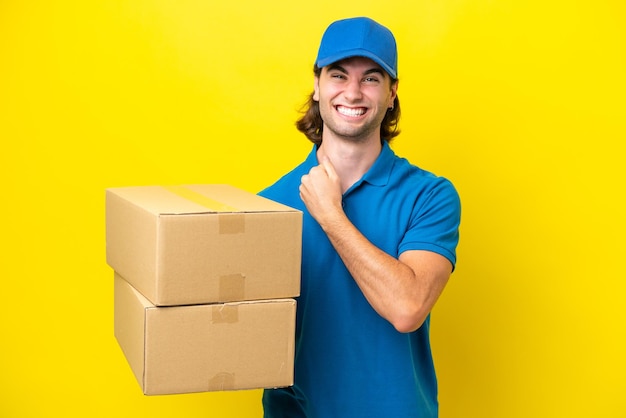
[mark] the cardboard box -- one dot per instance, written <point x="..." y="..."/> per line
<point x="194" y="244"/>
<point x="199" y="348"/>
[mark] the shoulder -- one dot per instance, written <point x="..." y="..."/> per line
<point x="433" y="208"/>
<point x="421" y="183"/>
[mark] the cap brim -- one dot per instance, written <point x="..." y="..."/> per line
<point x="323" y="62"/>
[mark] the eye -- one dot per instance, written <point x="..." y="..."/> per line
<point x="370" y="80"/>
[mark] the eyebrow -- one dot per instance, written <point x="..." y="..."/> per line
<point x="373" y="70"/>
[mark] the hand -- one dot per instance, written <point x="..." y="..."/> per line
<point x="320" y="190"/>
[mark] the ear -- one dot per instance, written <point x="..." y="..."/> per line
<point x="394" y="93"/>
<point x="316" y="89"/>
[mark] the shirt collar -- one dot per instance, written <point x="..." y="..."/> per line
<point x="311" y="160"/>
<point x="380" y="171"/>
<point x="377" y="175"/>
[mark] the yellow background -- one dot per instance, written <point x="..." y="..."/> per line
<point x="519" y="103"/>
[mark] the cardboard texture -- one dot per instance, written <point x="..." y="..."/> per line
<point x="199" y="244"/>
<point x="199" y="348"/>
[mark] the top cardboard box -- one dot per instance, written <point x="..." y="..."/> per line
<point x="198" y="244"/>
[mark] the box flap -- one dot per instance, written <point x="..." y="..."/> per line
<point x="199" y="198"/>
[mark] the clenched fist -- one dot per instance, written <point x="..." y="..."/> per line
<point x="320" y="190"/>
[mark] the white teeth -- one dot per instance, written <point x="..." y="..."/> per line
<point x="350" y="111"/>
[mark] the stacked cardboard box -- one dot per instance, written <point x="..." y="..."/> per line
<point x="205" y="277"/>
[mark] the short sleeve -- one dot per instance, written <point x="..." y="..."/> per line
<point x="435" y="220"/>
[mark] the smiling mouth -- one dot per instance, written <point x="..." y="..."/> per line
<point x="351" y="111"/>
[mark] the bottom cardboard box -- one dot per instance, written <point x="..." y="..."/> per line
<point x="201" y="348"/>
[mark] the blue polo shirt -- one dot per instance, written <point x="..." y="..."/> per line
<point x="350" y="362"/>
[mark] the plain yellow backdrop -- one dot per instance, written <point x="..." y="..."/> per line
<point x="520" y="103"/>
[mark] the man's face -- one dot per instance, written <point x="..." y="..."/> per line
<point x="354" y="95"/>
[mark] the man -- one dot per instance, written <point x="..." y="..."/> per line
<point x="379" y="243"/>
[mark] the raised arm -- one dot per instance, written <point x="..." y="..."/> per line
<point x="402" y="290"/>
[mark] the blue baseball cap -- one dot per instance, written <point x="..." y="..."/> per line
<point x="359" y="37"/>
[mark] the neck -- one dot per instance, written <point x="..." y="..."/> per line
<point x="351" y="159"/>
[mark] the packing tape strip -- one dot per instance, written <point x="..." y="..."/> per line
<point x="200" y="199"/>
<point x="224" y="314"/>
<point x="230" y="222"/>
<point x="222" y="381"/>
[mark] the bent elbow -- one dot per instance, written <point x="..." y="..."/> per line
<point x="406" y="327"/>
<point x="408" y="321"/>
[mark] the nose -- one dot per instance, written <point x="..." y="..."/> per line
<point x="352" y="91"/>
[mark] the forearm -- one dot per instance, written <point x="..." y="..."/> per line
<point x="391" y="287"/>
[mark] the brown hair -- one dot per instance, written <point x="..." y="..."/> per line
<point x="311" y="123"/>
